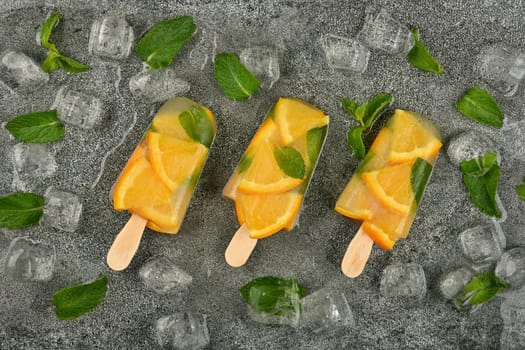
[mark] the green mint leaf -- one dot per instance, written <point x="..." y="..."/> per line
<point x="420" y="58"/>
<point x="74" y="301"/>
<point x="37" y="127"/>
<point x="350" y="106"/>
<point x="477" y="104"/>
<point x="290" y="161"/>
<point x="21" y="210"/>
<point x="46" y="30"/>
<point x="245" y="163"/>
<point x="520" y="189"/>
<point x="354" y="140"/>
<point x="236" y="82"/>
<point x="481" y="176"/>
<point x="481" y="289"/>
<point x="272" y="295"/>
<point x="70" y="65"/>
<point x="197" y="125"/>
<point x="314" y="141"/>
<point x="419" y="175"/>
<point x="374" y="107"/>
<point x="50" y="64"/>
<point x="159" y="46"/>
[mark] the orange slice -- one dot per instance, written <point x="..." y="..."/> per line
<point x="392" y="223"/>
<point x="267" y="214"/>
<point x="295" y="117"/>
<point x="391" y="186"/>
<point x="353" y="202"/>
<point x="266" y="132"/>
<point x="379" y="152"/>
<point x="381" y="238"/>
<point x="413" y="136"/>
<point x="230" y="189"/>
<point x="174" y="160"/>
<point x="264" y="176"/>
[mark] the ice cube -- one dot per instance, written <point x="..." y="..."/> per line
<point x="29" y="260"/>
<point x="469" y="145"/>
<point x="383" y="32"/>
<point x="32" y="163"/>
<point x="77" y="108"/>
<point x="21" y="73"/>
<point x="452" y="283"/>
<point x="263" y="62"/>
<point x="183" y="330"/>
<point x="403" y="280"/>
<point x="345" y="53"/>
<point x="157" y="85"/>
<point x="511" y="267"/>
<point x="481" y="244"/>
<point x="514" y="137"/>
<point x="513" y="334"/>
<point x="111" y="37"/>
<point x="161" y="275"/>
<point x="62" y="210"/>
<point x="503" y="68"/>
<point x="326" y="310"/>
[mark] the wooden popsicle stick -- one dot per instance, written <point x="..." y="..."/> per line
<point x="357" y="254"/>
<point x="126" y="243"/>
<point x="240" y="248"/>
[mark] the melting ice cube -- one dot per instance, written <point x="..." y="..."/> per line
<point x="62" y="210"/>
<point x="263" y="62"/>
<point x="469" y="145"/>
<point x="21" y="73"/>
<point x="503" y="68"/>
<point x="157" y="85"/>
<point x="511" y="267"/>
<point x="111" y="37"/>
<point x="183" y="330"/>
<point x="77" y="108"/>
<point x="326" y="310"/>
<point x="29" y="260"/>
<point x="344" y="53"/>
<point x="161" y="275"/>
<point x="452" y="283"/>
<point x="481" y="244"/>
<point x="403" y="280"/>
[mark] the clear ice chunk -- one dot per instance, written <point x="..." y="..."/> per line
<point x="62" y="210"/>
<point x="344" y="53"/>
<point x="403" y="280"/>
<point x="20" y="73"/>
<point x="452" y="283"/>
<point x="77" y="108"/>
<point x="514" y="138"/>
<point x="326" y="310"/>
<point x="29" y="260"/>
<point x="157" y="85"/>
<point x="32" y="163"/>
<point x="263" y="62"/>
<point x="182" y="331"/>
<point x="511" y="267"/>
<point x="503" y="68"/>
<point x="469" y="145"/>
<point x="161" y="275"/>
<point x="481" y="244"/>
<point x="383" y="32"/>
<point x="513" y="333"/>
<point x="111" y="37"/>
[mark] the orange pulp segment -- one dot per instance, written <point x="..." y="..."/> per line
<point x="353" y="202"/>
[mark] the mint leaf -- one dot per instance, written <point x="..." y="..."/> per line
<point x="290" y="161"/>
<point x="55" y="59"/>
<point x="374" y="107"/>
<point x="21" y="210"/>
<point x="354" y="140"/>
<point x="273" y="295"/>
<point x="477" y="104"/>
<point x="419" y="175"/>
<point x="420" y="58"/>
<point x="236" y="82"/>
<point x="314" y="142"/>
<point x="36" y="127"/>
<point x="481" y="289"/>
<point x="159" y="46"/>
<point x="350" y="107"/>
<point x="481" y="176"/>
<point x="74" y="301"/>
<point x="520" y="189"/>
<point x="197" y="125"/>
<point x="244" y="164"/>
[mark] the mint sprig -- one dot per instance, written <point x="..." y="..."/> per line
<point x="481" y="176"/>
<point x="419" y="175"/>
<point x="235" y="80"/>
<point x="273" y="295"/>
<point x="159" y="46"/>
<point x="520" y="190"/>
<point x="21" y="210"/>
<point x="74" y="301"/>
<point x="290" y="161"/>
<point x="55" y="59"/>
<point x="420" y="58"/>
<point x="36" y="127"/>
<point x="481" y="289"/>
<point x="198" y="125"/>
<point x="365" y="114"/>
<point x="477" y="104"/>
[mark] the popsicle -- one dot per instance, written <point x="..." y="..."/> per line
<point x="387" y="187"/>
<point x="157" y="182"/>
<point x="270" y="181"/>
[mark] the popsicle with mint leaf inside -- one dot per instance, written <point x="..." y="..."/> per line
<point x="386" y="189"/>
<point x="270" y="181"/>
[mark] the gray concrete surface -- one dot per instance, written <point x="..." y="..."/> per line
<point x="454" y="31"/>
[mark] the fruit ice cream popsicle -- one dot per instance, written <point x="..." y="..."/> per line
<point x="388" y="185"/>
<point x="158" y="180"/>
<point x="270" y="181"/>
